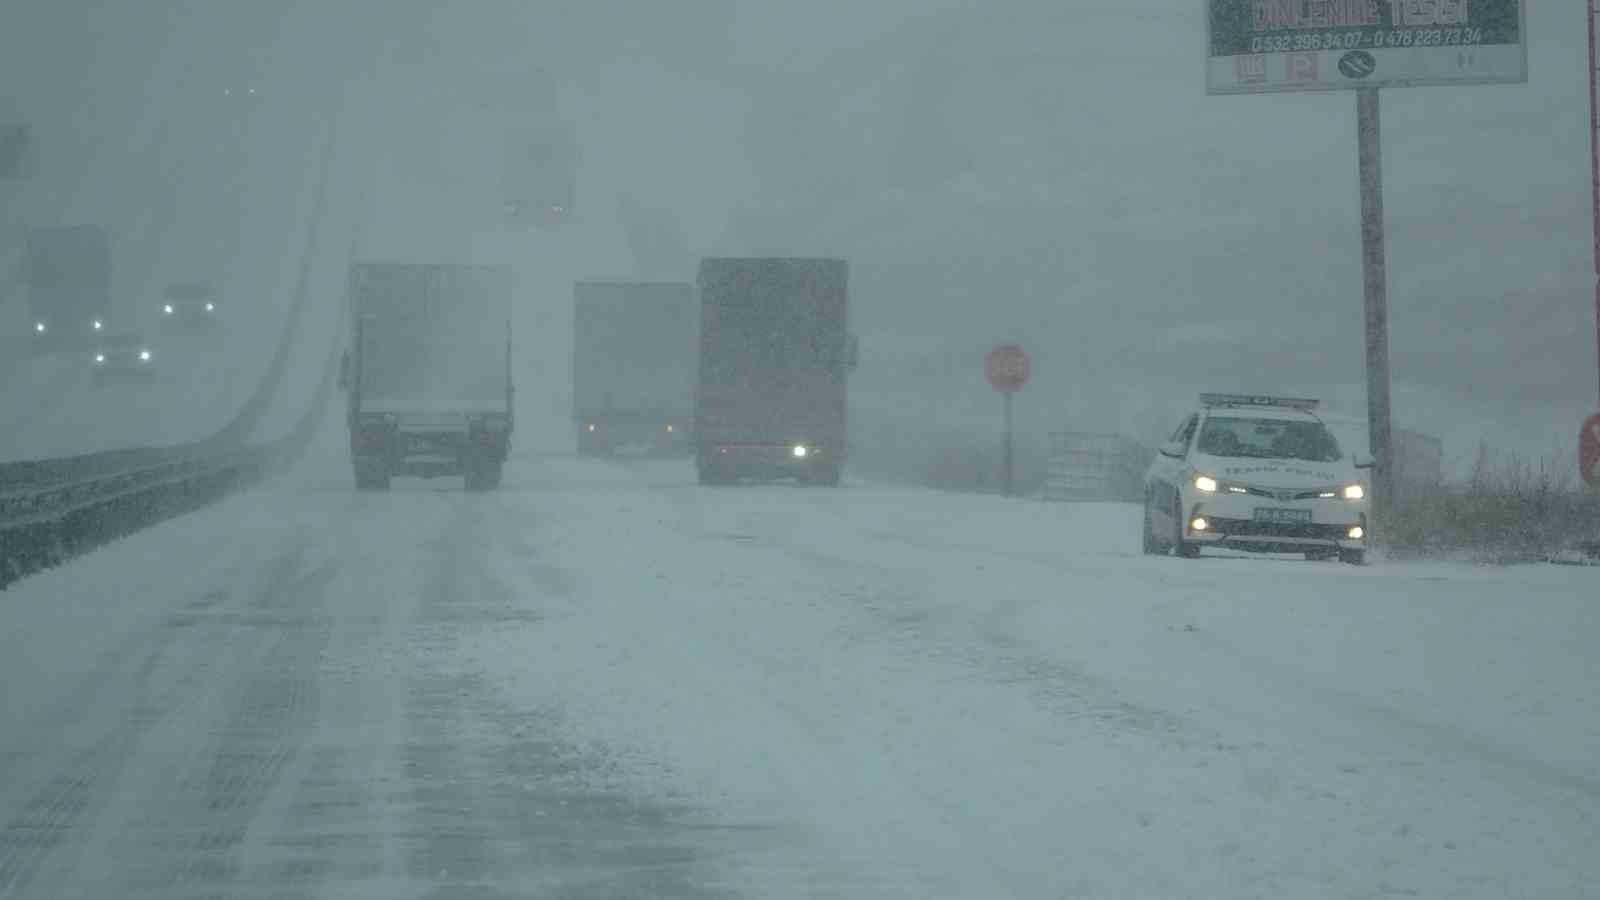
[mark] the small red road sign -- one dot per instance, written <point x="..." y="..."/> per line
<point x="1007" y="367"/>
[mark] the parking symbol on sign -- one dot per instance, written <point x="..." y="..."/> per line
<point x="1302" y="67"/>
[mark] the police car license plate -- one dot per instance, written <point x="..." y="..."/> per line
<point x="1283" y="516"/>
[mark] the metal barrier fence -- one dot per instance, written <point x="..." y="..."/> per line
<point x="1088" y="466"/>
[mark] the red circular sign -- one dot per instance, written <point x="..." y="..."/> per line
<point x="1589" y="450"/>
<point x="1007" y="367"/>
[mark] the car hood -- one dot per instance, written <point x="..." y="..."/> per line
<point x="1275" y="473"/>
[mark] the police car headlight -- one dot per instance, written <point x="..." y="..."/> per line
<point x="1354" y="492"/>
<point x="1205" y="483"/>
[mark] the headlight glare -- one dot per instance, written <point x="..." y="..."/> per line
<point x="1205" y="483"/>
<point x="1354" y="492"/>
<point x="800" y="451"/>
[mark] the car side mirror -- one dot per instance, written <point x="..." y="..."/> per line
<point x="1173" y="449"/>
<point x="1363" y="461"/>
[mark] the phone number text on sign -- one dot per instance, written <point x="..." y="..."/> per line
<point x="1359" y="40"/>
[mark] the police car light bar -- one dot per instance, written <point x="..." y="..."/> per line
<point x="1250" y="400"/>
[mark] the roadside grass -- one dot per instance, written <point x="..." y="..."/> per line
<point x="1510" y="510"/>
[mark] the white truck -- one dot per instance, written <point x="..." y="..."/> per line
<point x="428" y="372"/>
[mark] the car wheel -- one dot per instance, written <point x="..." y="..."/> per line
<point x="1152" y="544"/>
<point x="1353" y="557"/>
<point x="1181" y="548"/>
<point x="1320" y="555"/>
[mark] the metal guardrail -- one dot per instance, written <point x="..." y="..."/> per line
<point x="1086" y="466"/>
<point x="44" y="526"/>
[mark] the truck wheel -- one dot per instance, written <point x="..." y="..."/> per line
<point x="712" y="474"/>
<point x="372" y="476"/>
<point x="479" y="473"/>
<point x="827" y="476"/>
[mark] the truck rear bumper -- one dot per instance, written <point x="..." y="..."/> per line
<point x="771" y="460"/>
<point x="429" y="446"/>
<point x="596" y="436"/>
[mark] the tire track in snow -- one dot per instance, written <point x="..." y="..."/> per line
<point x="58" y="812"/>
<point x="499" y="806"/>
<point x="271" y="711"/>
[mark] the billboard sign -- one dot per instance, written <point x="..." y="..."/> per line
<point x="1253" y="46"/>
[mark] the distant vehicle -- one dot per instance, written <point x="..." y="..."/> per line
<point x="428" y="373"/>
<point x="121" y="356"/>
<point x="540" y="181"/>
<point x="633" y="366"/>
<point x="67" y="272"/>
<point x="1263" y="474"/>
<point x="190" y="306"/>
<point x="775" y="356"/>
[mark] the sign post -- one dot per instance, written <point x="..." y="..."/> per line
<point x="1258" y="46"/>
<point x="1007" y="368"/>
<point x="1589" y="451"/>
<point x="1594" y="164"/>
<point x="1375" y="294"/>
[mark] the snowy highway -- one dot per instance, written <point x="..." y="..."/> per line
<point x="607" y="681"/>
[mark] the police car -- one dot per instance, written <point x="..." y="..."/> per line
<point x="1254" y="473"/>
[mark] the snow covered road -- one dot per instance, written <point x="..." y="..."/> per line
<point x="607" y="681"/>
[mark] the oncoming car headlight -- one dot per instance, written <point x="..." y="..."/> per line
<point x="1205" y="483"/>
<point x="800" y="451"/>
<point x="1353" y="492"/>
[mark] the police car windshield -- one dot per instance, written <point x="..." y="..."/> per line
<point x="1268" y="439"/>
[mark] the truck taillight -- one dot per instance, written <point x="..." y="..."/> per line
<point x="374" y="436"/>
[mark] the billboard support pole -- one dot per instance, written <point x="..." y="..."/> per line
<point x="1594" y="175"/>
<point x="1375" y="292"/>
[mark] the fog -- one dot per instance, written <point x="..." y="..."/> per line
<point x="1050" y="173"/>
<point x="335" y="590"/>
